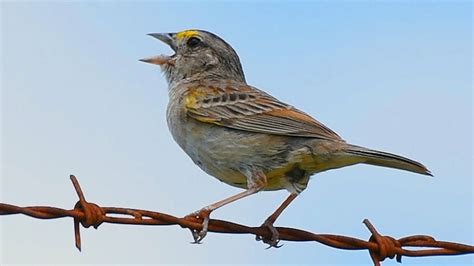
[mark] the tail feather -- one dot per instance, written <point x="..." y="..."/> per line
<point x="386" y="159"/>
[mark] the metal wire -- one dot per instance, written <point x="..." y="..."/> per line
<point x="379" y="246"/>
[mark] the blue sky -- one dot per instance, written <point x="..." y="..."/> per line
<point x="395" y="76"/>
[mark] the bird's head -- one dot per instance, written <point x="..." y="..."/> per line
<point x="198" y="55"/>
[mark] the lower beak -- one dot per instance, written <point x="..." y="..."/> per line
<point x="159" y="60"/>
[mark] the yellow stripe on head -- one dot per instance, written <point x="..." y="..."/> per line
<point x="186" y="34"/>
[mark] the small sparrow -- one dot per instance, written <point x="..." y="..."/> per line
<point x="243" y="136"/>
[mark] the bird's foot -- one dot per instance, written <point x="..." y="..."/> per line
<point x="203" y="214"/>
<point x="274" y="240"/>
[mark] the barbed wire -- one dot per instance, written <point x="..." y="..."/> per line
<point x="379" y="246"/>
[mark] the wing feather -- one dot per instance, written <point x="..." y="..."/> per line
<point x="243" y="107"/>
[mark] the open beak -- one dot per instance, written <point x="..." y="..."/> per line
<point x="169" y="39"/>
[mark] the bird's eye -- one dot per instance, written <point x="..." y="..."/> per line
<point x="193" y="42"/>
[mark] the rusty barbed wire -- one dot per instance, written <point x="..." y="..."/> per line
<point x="379" y="246"/>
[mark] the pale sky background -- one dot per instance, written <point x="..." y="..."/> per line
<point x="395" y="76"/>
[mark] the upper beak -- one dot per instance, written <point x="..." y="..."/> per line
<point x="169" y="39"/>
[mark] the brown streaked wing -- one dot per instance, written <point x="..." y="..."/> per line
<point x="249" y="109"/>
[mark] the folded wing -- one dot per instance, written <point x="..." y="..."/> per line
<point x="243" y="107"/>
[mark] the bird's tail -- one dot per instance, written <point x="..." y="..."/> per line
<point x="385" y="159"/>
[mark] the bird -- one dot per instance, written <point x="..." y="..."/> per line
<point x="242" y="135"/>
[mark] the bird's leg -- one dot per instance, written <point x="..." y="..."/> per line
<point x="256" y="181"/>
<point x="205" y="212"/>
<point x="273" y="241"/>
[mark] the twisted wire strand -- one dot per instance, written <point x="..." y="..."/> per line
<point x="379" y="246"/>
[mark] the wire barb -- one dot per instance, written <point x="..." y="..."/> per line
<point x="387" y="245"/>
<point x="93" y="214"/>
<point x="380" y="247"/>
